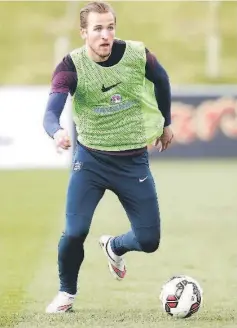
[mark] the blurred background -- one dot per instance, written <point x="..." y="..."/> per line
<point x="195" y="41"/>
<point x="197" y="44"/>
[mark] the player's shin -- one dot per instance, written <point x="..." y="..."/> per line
<point x="70" y="257"/>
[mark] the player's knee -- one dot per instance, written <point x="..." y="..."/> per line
<point x="72" y="239"/>
<point x="149" y="246"/>
<point x="77" y="228"/>
<point x="77" y="233"/>
<point x="150" y="242"/>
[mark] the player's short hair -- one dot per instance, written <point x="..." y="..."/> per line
<point x="96" y="7"/>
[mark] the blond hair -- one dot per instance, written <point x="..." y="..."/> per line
<point x="96" y="7"/>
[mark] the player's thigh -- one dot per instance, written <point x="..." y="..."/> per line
<point x="85" y="189"/>
<point x="139" y="198"/>
<point x="84" y="193"/>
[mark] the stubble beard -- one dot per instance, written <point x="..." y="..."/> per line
<point x="103" y="57"/>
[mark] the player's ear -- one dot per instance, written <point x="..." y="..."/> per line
<point x="83" y="33"/>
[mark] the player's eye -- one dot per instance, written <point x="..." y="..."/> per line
<point x="111" y="28"/>
<point x="98" y="28"/>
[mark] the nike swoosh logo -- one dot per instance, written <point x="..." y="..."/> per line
<point x="105" y="89"/>
<point x="141" y="180"/>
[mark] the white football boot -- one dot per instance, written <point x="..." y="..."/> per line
<point x="116" y="263"/>
<point x="61" y="303"/>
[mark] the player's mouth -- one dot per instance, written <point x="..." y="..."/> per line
<point x="105" y="45"/>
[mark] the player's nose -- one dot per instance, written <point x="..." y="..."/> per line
<point x="105" y="34"/>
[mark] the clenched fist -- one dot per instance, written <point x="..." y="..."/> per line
<point x="62" y="140"/>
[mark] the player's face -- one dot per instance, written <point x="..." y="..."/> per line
<point x="99" y="35"/>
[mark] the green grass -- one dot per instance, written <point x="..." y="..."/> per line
<point x="28" y="210"/>
<point x="174" y="31"/>
<point x="198" y="207"/>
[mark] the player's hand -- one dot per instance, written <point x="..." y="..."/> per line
<point x="165" y="140"/>
<point x="62" y="140"/>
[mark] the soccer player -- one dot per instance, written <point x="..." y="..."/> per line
<point x="121" y="104"/>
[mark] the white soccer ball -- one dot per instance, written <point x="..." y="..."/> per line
<point x="181" y="296"/>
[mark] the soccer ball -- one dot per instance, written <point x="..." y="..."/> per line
<point x="181" y="296"/>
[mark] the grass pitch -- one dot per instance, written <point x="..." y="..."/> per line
<point x="198" y="209"/>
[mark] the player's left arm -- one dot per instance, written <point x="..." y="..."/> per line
<point x="156" y="73"/>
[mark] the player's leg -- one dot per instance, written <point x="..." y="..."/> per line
<point x="140" y="201"/>
<point x="84" y="193"/>
<point x="85" y="190"/>
<point x="136" y="190"/>
<point x="141" y="206"/>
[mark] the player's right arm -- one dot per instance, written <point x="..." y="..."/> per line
<point x="64" y="81"/>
